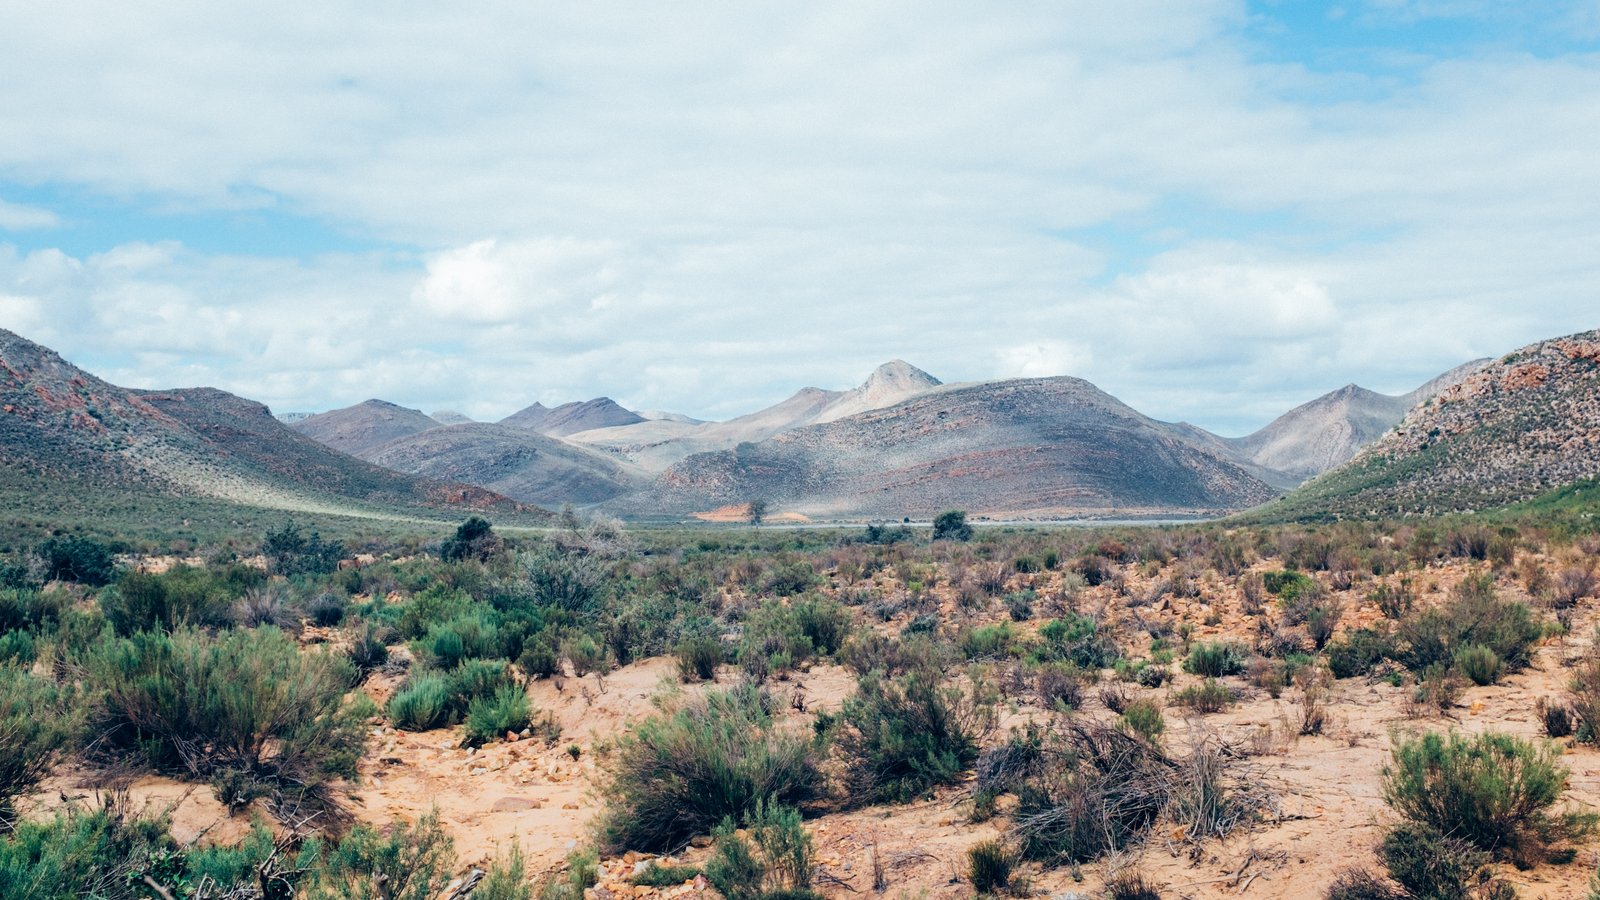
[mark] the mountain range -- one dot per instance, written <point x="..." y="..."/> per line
<point x="901" y="444"/>
<point x="63" y="430"/>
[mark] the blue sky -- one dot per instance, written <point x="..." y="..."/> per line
<point x="1214" y="210"/>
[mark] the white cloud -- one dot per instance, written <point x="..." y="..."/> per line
<point x="16" y="217"/>
<point x="703" y="208"/>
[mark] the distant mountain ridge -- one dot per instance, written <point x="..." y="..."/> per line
<point x="1506" y="431"/>
<point x="1045" y="447"/>
<point x="368" y="424"/>
<point x="571" y="418"/>
<point x="59" y="422"/>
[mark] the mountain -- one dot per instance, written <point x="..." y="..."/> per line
<point x="65" y="432"/>
<point x="655" y="445"/>
<point x="571" y="418"/>
<point x="1323" y="434"/>
<point x="355" y="429"/>
<point x="449" y="417"/>
<point x="520" y="463"/>
<point x="1508" y="431"/>
<point x="1042" y="447"/>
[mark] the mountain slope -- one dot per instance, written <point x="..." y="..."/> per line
<point x="1026" y="447"/>
<point x="571" y="418"/>
<point x="1513" y="429"/>
<point x="354" y="429"/>
<point x="517" y="462"/>
<point x="60" y="425"/>
<point x="657" y="444"/>
<point x="1323" y="434"/>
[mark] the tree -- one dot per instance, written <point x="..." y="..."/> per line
<point x="475" y="539"/>
<point x="951" y="525"/>
<point x="758" y="511"/>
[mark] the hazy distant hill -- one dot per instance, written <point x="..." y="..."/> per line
<point x="1508" y="431"/>
<point x="570" y="418"/>
<point x="59" y="424"/>
<point x="1325" y="433"/>
<point x="1026" y="447"/>
<point x="449" y="417"/>
<point x="517" y="462"/>
<point x="655" y="445"/>
<point x="355" y="429"/>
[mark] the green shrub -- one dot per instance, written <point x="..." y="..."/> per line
<point x="367" y="648"/>
<point x="404" y="862"/>
<point x="36" y="724"/>
<point x="698" y="658"/>
<point x="1359" y="652"/>
<point x="290" y="553"/>
<point x="901" y="736"/>
<point x="80" y="559"/>
<point x="506" y="710"/>
<point x="1209" y="696"/>
<point x="1077" y="639"/>
<point x="474" y="635"/>
<point x="657" y="875"/>
<point x="246" y="701"/>
<point x="474" y="539"/>
<point x="988" y="641"/>
<point x="1215" y="660"/>
<point x="1474" y="614"/>
<point x="952" y="525"/>
<point x="423" y="704"/>
<point x="1143" y="717"/>
<point x="183" y="595"/>
<point x="777" y="867"/>
<point x="679" y="773"/>
<point x="1288" y="585"/>
<point x="989" y="866"/>
<point x="1479" y="663"/>
<point x="506" y="879"/>
<point x="100" y="853"/>
<point x="17" y="648"/>
<point x="1492" y="790"/>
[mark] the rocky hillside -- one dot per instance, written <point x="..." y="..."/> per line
<point x="358" y="428"/>
<point x="60" y="424"/>
<point x="1510" y="430"/>
<point x="519" y="463"/>
<point x="1028" y="447"/>
<point x="571" y="418"/>
<point x="1322" y="435"/>
<point x="657" y="444"/>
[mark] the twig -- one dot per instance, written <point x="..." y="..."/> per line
<point x="165" y="894"/>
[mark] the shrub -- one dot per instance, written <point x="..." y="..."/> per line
<point x="100" y="853"/>
<point x="290" y="553"/>
<point x="1104" y="793"/>
<point x="422" y="704"/>
<point x="1130" y="886"/>
<point x="1288" y="585"/>
<point x="1059" y="685"/>
<point x="1492" y="790"/>
<point x="657" y="875"/>
<point x="778" y="866"/>
<point x="326" y="609"/>
<point x="681" y="772"/>
<point x="474" y="635"/>
<point x="1215" y="660"/>
<point x="1555" y="716"/>
<point x="1209" y="696"/>
<point x="901" y="736"/>
<point x="367" y="648"/>
<point x="183" y="595"/>
<point x="952" y="525"/>
<point x="474" y="539"/>
<point x="1474" y="614"/>
<point x="80" y="559"/>
<point x="988" y="641"/>
<point x="1360" y="884"/>
<point x="409" y="862"/>
<point x="1584" y="693"/>
<point x="1143" y="717"/>
<point x="491" y="717"/>
<point x="698" y="658"/>
<point x="1428" y="864"/>
<point x="1078" y="640"/>
<point x="249" y="702"/>
<point x="36" y="724"/>
<point x="989" y="866"/>
<point x="1479" y="663"/>
<point x="1359" y="652"/>
<point x="507" y="878"/>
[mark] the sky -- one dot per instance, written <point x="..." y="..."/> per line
<point x="1213" y="210"/>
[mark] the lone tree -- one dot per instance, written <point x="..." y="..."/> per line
<point x="474" y="539"/>
<point x="757" y="511"/>
<point x="951" y="525"/>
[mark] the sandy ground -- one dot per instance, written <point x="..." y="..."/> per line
<point x="541" y="793"/>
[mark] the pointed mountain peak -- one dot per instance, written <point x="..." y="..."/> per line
<point x="899" y="374"/>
